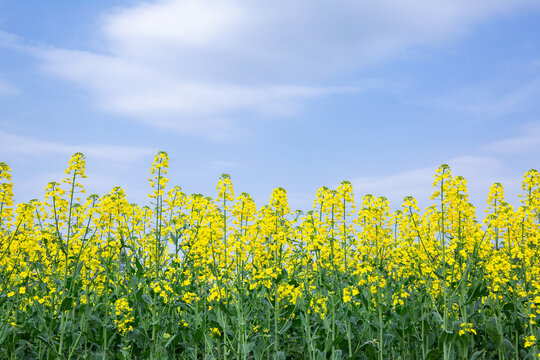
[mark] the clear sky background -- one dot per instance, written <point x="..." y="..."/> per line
<point x="298" y="94"/>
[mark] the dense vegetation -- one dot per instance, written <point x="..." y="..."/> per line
<point x="194" y="277"/>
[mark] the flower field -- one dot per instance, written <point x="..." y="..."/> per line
<point x="196" y="277"/>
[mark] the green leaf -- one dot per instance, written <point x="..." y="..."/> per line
<point x="198" y="335"/>
<point x="140" y="269"/>
<point x="46" y="342"/>
<point x="4" y="333"/>
<point x="434" y="354"/>
<point x="492" y="330"/>
<point x="171" y="339"/>
<point x="224" y="308"/>
<point x="67" y="304"/>
<point x="508" y="346"/>
<point x="147" y="299"/>
<point x="286" y="327"/>
<point x="369" y="348"/>
<point x="248" y="347"/>
<point x="478" y="355"/>
<point x="447" y="336"/>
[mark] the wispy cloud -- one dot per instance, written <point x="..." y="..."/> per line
<point x="526" y="143"/>
<point x="107" y="165"/>
<point x="16" y="144"/>
<point x="485" y="167"/>
<point x="198" y="64"/>
<point x="480" y="172"/>
<point x="95" y="183"/>
<point x="226" y="164"/>
<point x="7" y="89"/>
<point x="494" y="98"/>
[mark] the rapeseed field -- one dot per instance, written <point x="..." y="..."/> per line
<point x="198" y="277"/>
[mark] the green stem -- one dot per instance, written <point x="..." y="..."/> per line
<point x="64" y="290"/>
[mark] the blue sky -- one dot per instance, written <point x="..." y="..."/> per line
<point x="297" y="94"/>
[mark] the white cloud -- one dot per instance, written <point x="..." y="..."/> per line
<point x="16" y="144"/>
<point x="144" y="93"/>
<point x="198" y="64"/>
<point x="187" y="23"/>
<point x="282" y="36"/>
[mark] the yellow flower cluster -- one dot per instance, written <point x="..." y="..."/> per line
<point x="349" y="293"/>
<point x="124" y="316"/>
<point x="466" y="328"/>
<point x="6" y="194"/>
<point x="530" y="341"/>
<point x="225" y="188"/>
